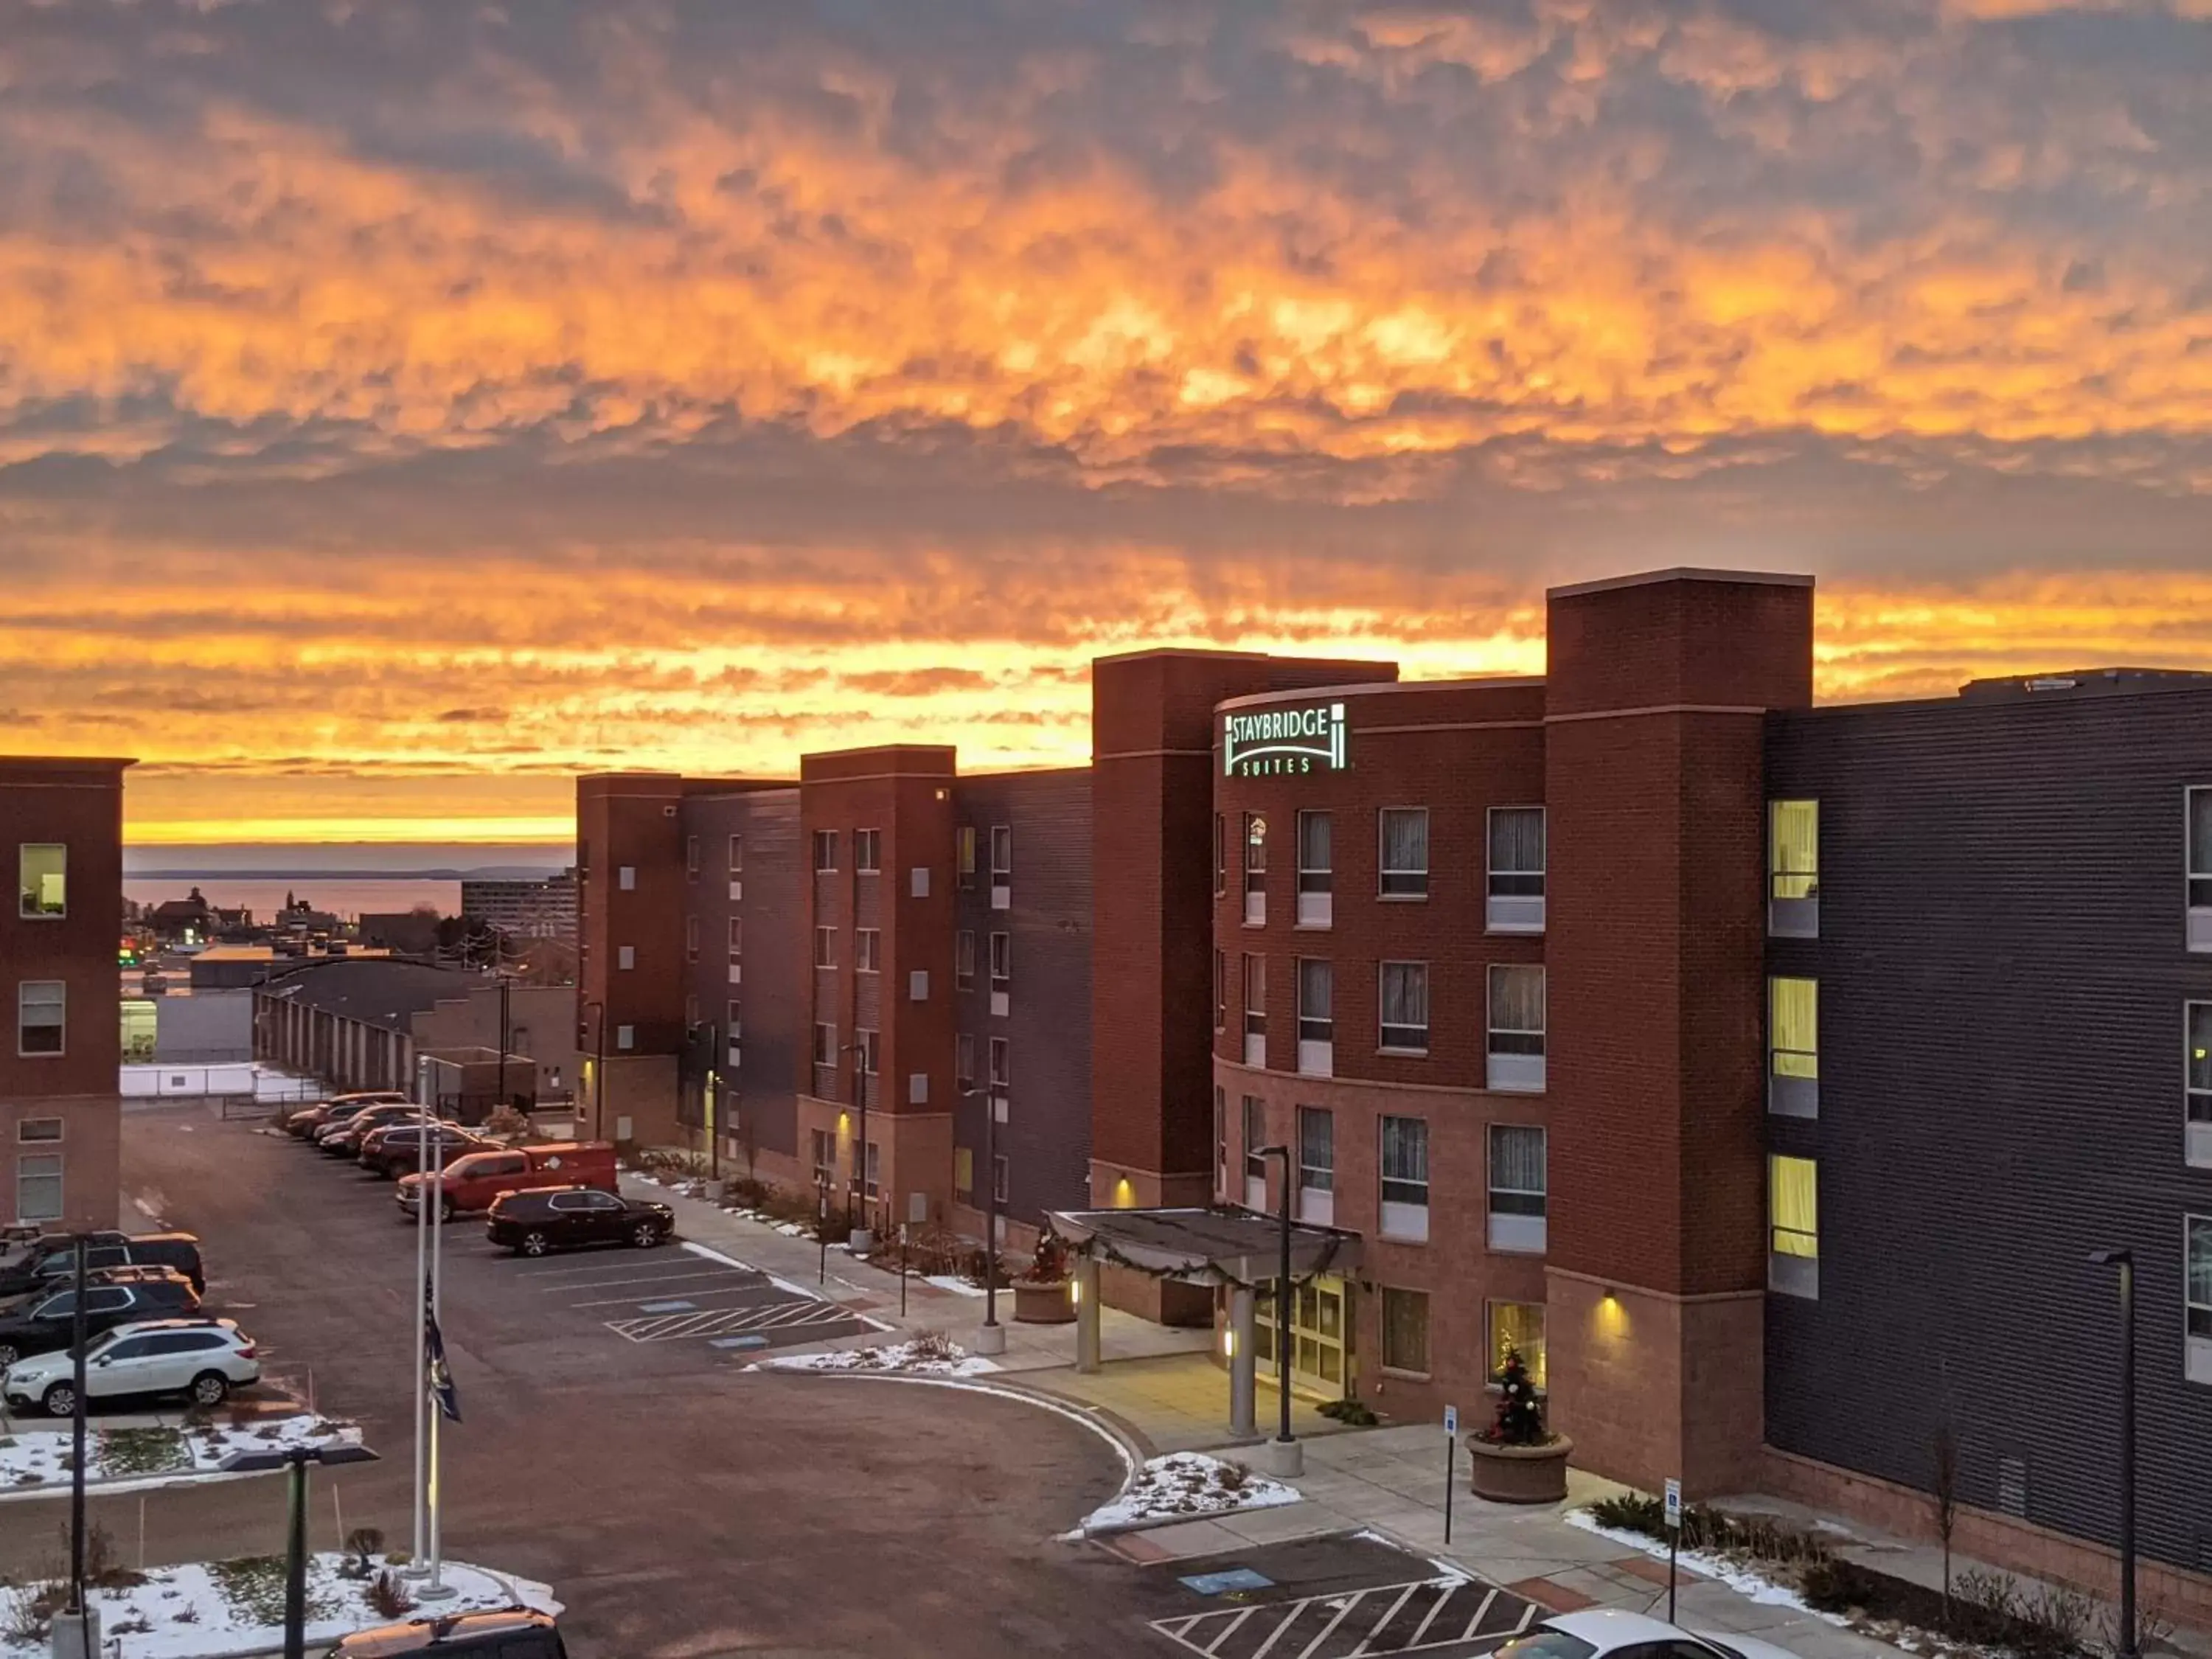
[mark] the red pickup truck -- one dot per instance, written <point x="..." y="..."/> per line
<point x="471" y="1183"/>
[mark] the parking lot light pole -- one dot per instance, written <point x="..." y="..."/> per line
<point x="77" y="1340"/>
<point x="1283" y="1449"/>
<point x="992" y="1338"/>
<point x="294" y="1460"/>
<point x="863" y="1237"/>
<point x="598" y="1069"/>
<point x="423" y="1203"/>
<point x="2125" y="1261"/>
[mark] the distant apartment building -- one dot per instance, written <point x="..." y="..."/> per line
<point x="61" y="823"/>
<point x="1765" y="1075"/>
<point x="544" y="909"/>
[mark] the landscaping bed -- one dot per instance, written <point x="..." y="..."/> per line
<point x="1185" y="1486"/>
<point x="34" y="1461"/>
<point x="929" y="1354"/>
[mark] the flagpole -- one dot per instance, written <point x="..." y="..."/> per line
<point x="434" y="1589"/>
<point x="422" y="1300"/>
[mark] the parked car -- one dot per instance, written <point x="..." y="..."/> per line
<point x="206" y="1359"/>
<point x="513" y="1633"/>
<point x="397" y="1148"/>
<point x="59" y="1267"/>
<point x="310" y="1120"/>
<point x="26" y="1272"/>
<point x="469" y="1184"/>
<point x="343" y="1140"/>
<point x="569" y="1218"/>
<point x="121" y="1275"/>
<point x="40" y="1325"/>
<point x="1604" y="1631"/>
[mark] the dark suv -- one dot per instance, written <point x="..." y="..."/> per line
<point x="515" y="1634"/>
<point x="53" y="1262"/>
<point x="563" y="1218"/>
<point x="42" y="1325"/>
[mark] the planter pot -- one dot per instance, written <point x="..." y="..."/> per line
<point x="1519" y="1474"/>
<point x="1043" y="1304"/>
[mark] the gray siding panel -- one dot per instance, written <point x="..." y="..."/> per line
<point x="2002" y="976"/>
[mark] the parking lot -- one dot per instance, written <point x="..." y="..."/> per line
<point x="690" y="1295"/>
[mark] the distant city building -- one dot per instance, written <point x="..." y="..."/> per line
<point x="409" y="932"/>
<point x="61" y="829"/>
<point x="192" y="920"/>
<point x="544" y="909"/>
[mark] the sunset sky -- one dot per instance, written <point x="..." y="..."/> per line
<point x="406" y="404"/>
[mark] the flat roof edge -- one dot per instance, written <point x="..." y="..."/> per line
<point x="1679" y="573"/>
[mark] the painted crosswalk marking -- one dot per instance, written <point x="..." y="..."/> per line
<point x="1426" y="1616"/>
<point x="728" y="1321"/>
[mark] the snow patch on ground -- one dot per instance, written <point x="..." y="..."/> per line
<point x="1182" y="1486"/>
<point x="34" y="1462"/>
<point x="199" y="1609"/>
<point x="914" y="1359"/>
<point x="950" y="1282"/>
<point x="1744" y="1580"/>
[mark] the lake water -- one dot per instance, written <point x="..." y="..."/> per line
<point x="343" y="879"/>
<point x="343" y="895"/>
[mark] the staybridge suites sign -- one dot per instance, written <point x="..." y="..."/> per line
<point x="1274" y="740"/>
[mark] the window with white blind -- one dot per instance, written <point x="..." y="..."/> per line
<point x="1405" y="1179"/>
<point x="1793" y="1047"/>
<point x="1316" y="1023"/>
<point x="1316" y="1166"/>
<point x="1793" y="1217"/>
<point x="1317" y="870"/>
<point x="1518" y="1188"/>
<point x="42" y="1017"/>
<point x="1256" y="1167"/>
<point x="1405" y="853"/>
<point x="1515" y="902"/>
<point x="1405" y="1005"/>
<point x="1516" y="1050"/>
<point x="1404" y="1331"/>
<point x="2197" y="1082"/>
<point x="2199" y="859"/>
<point x="1255" y="870"/>
<point x="1255" y="1010"/>
<point x="2196" y="1269"/>
<point x="1793" y="869"/>
<point x="737" y="855"/>
<point x="38" y="1187"/>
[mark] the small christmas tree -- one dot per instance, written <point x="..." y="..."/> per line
<point x="1520" y="1419"/>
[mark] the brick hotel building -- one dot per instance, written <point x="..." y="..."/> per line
<point x="1765" y="1073"/>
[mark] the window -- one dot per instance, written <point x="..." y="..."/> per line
<point x="1002" y="1064"/>
<point x="1256" y="1167"/>
<point x="1255" y="870"/>
<point x="873" y="1168"/>
<point x="737" y="855"/>
<point x="38" y="1187"/>
<point x="1317" y="1165"/>
<point x="1002" y="958"/>
<point x="2197" y="1084"/>
<point x="868" y="944"/>
<point x="736" y="1026"/>
<point x="1792" y="868"/>
<point x="1220" y="990"/>
<point x="1316" y="1025"/>
<point x="41" y="1015"/>
<point x="1405" y="1330"/>
<point x="691" y="857"/>
<point x="825" y="947"/>
<point x="1255" y="1010"/>
<point x="44" y="868"/>
<point x="825" y="850"/>
<point x="1793" y="1217"/>
<point x="1793" y="1048"/>
<point x="1220" y="1142"/>
<point x="864" y="1044"/>
<point x="963" y="1058"/>
<point x="1406" y="1007"/>
<point x="625" y="1037"/>
<point x="1001" y="1183"/>
<point x="1316" y="877"/>
<point x="737" y="936"/>
<point x="963" y="1171"/>
<point x="825" y="1044"/>
<point x="2198" y="1273"/>
<point x="626" y="878"/>
<point x="1405" y="1178"/>
<point x="625" y="957"/>
<point x="1002" y="854"/>
<point x="691" y="937"/>
<point x="963" y="851"/>
<point x="1404" y="852"/>
<point x="1518" y="1328"/>
<point x="825" y="1165"/>
<point x="1517" y="1187"/>
<point x="2200" y="868"/>
<point x="39" y="1129"/>
<point x="1517" y="1028"/>
<point x="1515" y="904"/>
<point x="867" y="851"/>
<point x="963" y="958"/>
<point x="1220" y="856"/>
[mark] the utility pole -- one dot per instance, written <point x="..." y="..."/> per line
<point x="863" y="1236"/>
<point x="1288" y="1456"/>
<point x="504" y="1028"/>
<point x="2125" y="1261"/>
<point x="993" y="1337"/>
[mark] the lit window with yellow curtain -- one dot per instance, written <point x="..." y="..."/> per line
<point x="1794" y="1026"/>
<point x="1793" y="1206"/>
<point x="1793" y="849"/>
<point x="1518" y="1326"/>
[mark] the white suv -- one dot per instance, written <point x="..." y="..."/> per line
<point x="204" y="1358"/>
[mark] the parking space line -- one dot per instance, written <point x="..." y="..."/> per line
<point x="647" y="1278"/>
<point x="727" y="1321"/>
<point x="1352" y="1629"/>
<point x="1228" y="1631"/>
<point x="1404" y="1597"/>
<point x="1430" y="1617"/>
<point x="631" y="1300"/>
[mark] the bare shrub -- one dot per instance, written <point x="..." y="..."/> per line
<point x="387" y="1595"/>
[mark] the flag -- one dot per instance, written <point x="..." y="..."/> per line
<point x="438" y="1376"/>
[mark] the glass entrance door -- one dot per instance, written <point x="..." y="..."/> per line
<point x="1320" y="1324"/>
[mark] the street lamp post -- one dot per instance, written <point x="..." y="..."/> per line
<point x="2125" y="1261"/>
<point x="993" y="1337"/>
<point x="1284" y="1451"/>
<point x="296" y="1460"/>
<point x="863" y="1238"/>
<point x="599" y="1070"/>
